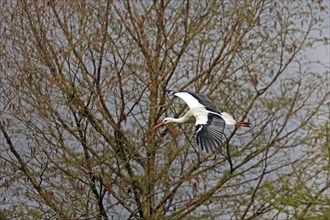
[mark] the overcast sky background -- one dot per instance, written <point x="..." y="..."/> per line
<point x="322" y="52"/>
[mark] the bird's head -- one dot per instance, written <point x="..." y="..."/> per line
<point x="164" y="122"/>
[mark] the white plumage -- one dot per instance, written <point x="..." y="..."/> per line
<point x="210" y="123"/>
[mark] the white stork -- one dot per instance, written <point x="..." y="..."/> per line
<point x="210" y="123"/>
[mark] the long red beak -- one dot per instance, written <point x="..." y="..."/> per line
<point x="158" y="126"/>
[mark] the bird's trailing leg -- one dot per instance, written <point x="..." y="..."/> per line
<point x="242" y="124"/>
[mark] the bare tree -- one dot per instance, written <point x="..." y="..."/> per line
<point x="82" y="86"/>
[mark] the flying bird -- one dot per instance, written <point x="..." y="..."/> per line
<point x="210" y="123"/>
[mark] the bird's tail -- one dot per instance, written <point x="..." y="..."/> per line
<point x="242" y="124"/>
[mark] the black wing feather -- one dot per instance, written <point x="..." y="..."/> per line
<point x="210" y="136"/>
<point x="203" y="99"/>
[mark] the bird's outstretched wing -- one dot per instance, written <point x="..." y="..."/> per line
<point x="195" y="100"/>
<point x="209" y="105"/>
<point x="210" y="136"/>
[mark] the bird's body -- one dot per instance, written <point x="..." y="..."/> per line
<point x="209" y="122"/>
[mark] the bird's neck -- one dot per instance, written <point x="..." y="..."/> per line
<point x="179" y="120"/>
<point x="183" y="119"/>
